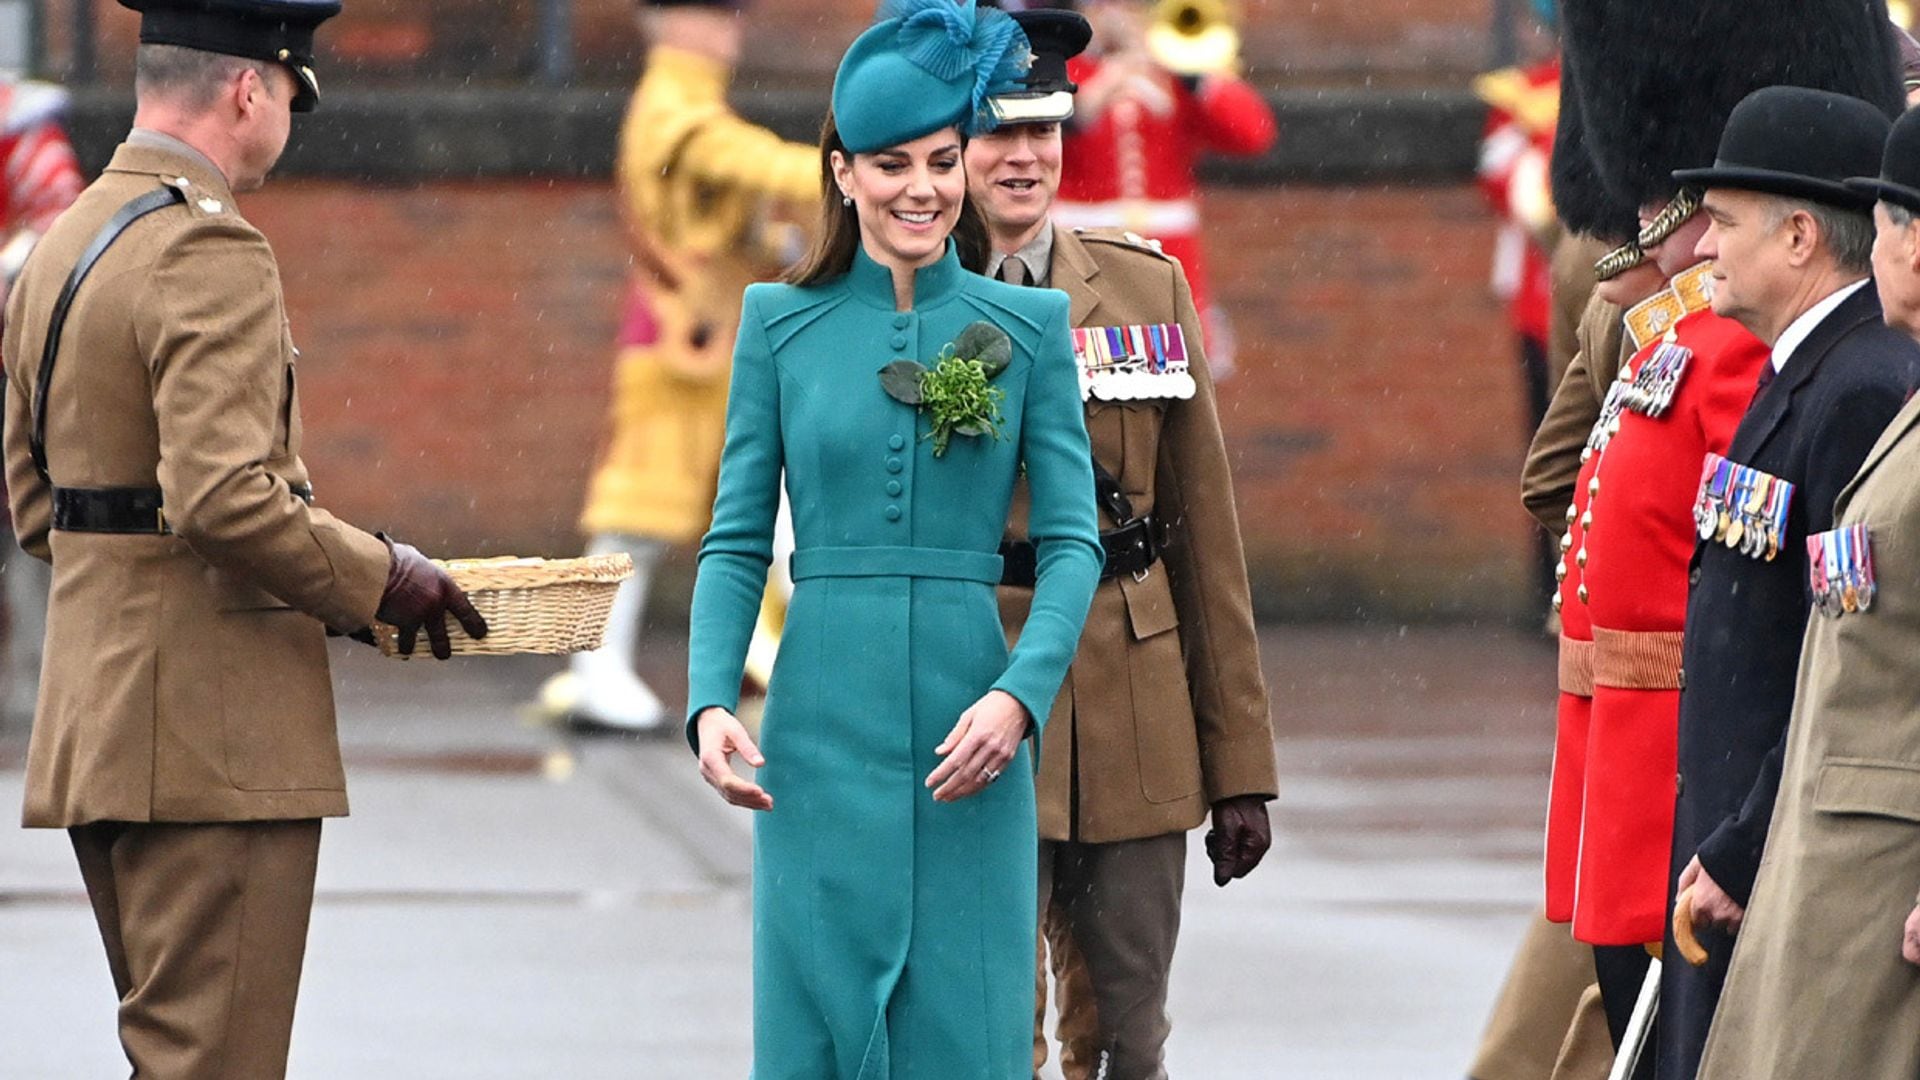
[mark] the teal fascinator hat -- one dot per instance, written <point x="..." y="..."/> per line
<point x="924" y="65"/>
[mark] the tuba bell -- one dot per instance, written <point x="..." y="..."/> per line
<point x="1195" y="37"/>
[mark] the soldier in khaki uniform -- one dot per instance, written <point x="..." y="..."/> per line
<point x="712" y="203"/>
<point x="185" y="728"/>
<point x="1164" y="715"/>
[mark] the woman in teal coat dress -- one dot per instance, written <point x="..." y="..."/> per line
<point x="894" y="879"/>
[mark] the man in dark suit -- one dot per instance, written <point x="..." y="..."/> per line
<point x="1791" y="247"/>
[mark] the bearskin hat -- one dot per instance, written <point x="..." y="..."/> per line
<point x="1649" y="85"/>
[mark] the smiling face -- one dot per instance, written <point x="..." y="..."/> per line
<point x="1013" y="173"/>
<point x="908" y="197"/>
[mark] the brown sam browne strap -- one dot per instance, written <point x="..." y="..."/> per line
<point x="50" y="350"/>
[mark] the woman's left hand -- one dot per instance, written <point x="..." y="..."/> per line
<point x="979" y="747"/>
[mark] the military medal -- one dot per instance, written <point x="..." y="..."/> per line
<point x="1133" y="363"/>
<point x="1840" y="570"/>
<point x="1742" y="508"/>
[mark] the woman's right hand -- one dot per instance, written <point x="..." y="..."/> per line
<point x="722" y="735"/>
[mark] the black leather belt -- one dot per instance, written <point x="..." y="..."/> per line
<point x="120" y="509"/>
<point x="1131" y="549"/>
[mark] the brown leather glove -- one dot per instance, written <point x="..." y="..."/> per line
<point x="1240" y="837"/>
<point x="421" y="594"/>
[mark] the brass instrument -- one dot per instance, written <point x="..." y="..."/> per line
<point x="1195" y="37"/>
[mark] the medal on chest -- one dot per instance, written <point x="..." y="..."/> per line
<point x="1741" y="507"/>
<point x="1133" y="363"/>
<point x="1840" y="570"/>
<point x="1654" y="382"/>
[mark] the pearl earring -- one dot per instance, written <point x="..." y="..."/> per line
<point x="846" y="200"/>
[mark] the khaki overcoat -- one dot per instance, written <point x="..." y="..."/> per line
<point x="1165" y="710"/>
<point x="186" y="674"/>
<point x="1817" y="986"/>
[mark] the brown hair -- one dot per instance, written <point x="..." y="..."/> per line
<point x="831" y="253"/>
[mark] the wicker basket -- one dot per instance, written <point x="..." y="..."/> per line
<point x="531" y="605"/>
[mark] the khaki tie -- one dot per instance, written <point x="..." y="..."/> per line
<point x="1013" y="271"/>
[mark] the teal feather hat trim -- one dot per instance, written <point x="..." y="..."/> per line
<point x="925" y="65"/>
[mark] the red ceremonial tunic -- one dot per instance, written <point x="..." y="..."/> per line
<point x="1623" y="603"/>
<point x="1132" y="168"/>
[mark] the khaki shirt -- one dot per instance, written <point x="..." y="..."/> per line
<point x="186" y="674"/>
<point x="1165" y="709"/>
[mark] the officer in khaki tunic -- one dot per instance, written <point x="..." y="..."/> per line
<point x="185" y="728"/>
<point x="1164" y="715"/>
<point x="712" y="203"/>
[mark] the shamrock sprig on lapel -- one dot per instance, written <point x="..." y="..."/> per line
<point x="957" y="392"/>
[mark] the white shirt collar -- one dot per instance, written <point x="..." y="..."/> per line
<point x="1796" y="332"/>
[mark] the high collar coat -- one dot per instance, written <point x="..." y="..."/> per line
<point x="893" y="936"/>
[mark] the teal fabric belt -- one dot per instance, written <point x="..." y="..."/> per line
<point x="822" y="562"/>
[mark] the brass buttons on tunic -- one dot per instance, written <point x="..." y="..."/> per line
<point x="1582" y="557"/>
<point x="1566" y="542"/>
<point x="1583" y="594"/>
<point x="1593" y="488"/>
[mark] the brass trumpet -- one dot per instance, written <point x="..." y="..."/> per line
<point x="1195" y="37"/>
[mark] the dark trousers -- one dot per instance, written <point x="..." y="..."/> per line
<point x="1621" y="970"/>
<point x="205" y="927"/>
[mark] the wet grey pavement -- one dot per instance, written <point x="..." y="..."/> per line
<point x="510" y="902"/>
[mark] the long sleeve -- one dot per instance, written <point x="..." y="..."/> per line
<point x="1063" y="525"/>
<point x="1553" y="459"/>
<point x="1233" y="118"/>
<point x="1847" y="432"/>
<point x="738" y="548"/>
<point x="214" y="339"/>
<point x="1195" y="500"/>
<point x="28" y="496"/>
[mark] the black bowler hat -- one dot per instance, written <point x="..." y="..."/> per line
<point x="1046" y="96"/>
<point x="1899" y="181"/>
<point x="1800" y="143"/>
<point x="277" y="31"/>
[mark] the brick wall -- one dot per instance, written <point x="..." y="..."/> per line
<point x="1288" y="41"/>
<point x="455" y="365"/>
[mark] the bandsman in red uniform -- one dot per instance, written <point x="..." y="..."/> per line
<point x="1140" y="131"/>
